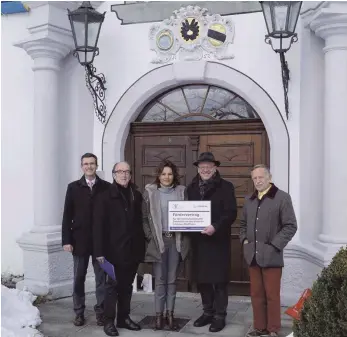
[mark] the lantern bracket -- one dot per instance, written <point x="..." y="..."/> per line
<point x="96" y="85"/>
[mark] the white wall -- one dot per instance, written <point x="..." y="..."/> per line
<point x="17" y="97"/>
<point x="77" y="120"/>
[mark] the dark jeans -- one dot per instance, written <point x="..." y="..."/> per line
<point x="80" y="272"/>
<point x="118" y="293"/>
<point x="214" y="299"/>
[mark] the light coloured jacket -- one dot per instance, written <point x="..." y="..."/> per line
<point x="151" y="213"/>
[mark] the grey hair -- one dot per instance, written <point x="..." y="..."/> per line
<point x="267" y="170"/>
<point x="120" y="162"/>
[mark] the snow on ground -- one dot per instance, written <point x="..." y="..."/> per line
<point x="19" y="317"/>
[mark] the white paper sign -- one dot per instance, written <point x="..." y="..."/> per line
<point x="189" y="216"/>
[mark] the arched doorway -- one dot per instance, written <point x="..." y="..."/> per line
<point x="187" y="120"/>
<point x="163" y="78"/>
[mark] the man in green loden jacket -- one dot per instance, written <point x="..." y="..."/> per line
<point x="267" y="225"/>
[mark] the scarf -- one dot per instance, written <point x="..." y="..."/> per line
<point x="204" y="184"/>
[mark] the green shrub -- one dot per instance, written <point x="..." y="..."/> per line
<point x="325" y="312"/>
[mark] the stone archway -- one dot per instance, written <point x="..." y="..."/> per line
<point x="163" y="78"/>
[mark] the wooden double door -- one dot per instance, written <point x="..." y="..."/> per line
<point x="238" y="145"/>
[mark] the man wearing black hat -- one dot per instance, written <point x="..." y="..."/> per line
<point x="211" y="250"/>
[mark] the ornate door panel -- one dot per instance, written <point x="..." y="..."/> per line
<point x="238" y="154"/>
<point x="150" y="151"/>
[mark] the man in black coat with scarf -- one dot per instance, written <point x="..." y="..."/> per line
<point x="119" y="238"/>
<point x="77" y="236"/>
<point x="211" y="250"/>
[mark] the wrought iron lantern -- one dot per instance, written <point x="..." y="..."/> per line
<point x="281" y="18"/>
<point x="86" y="24"/>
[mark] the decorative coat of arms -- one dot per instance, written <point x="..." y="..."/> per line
<point x="190" y="35"/>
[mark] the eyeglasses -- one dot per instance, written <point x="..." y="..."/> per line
<point x="206" y="168"/>
<point x="119" y="172"/>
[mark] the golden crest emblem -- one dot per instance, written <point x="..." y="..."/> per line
<point x="192" y="34"/>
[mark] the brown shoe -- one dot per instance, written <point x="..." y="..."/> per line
<point x="258" y="333"/>
<point x="158" y="321"/>
<point x="79" y="320"/>
<point x="170" y="320"/>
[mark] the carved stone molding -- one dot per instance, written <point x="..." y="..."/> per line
<point x="192" y="34"/>
<point x="329" y="21"/>
<point x="49" y="35"/>
<point x="46" y="53"/>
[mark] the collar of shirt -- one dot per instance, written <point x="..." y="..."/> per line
<point x="90" y="181"/>
<point x="261" y="194"/>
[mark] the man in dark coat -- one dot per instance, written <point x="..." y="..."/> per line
<point x="119" y="238"/>
<point x="77" y="235"/>
<point x="211" y="250"/>
<point x="267" y="225"/>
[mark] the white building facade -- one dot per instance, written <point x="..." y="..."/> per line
<point x="48" y="122"/>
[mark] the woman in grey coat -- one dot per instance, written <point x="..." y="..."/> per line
<point x="164" y="248"/>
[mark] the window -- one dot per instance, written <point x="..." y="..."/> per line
<point x="197" y="103"/>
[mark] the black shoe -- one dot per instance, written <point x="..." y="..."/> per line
<point x="203" y="320"/>
<point x="128" y="324"/>
<point x="110" y="329"/>
<point x="79" y="320"/>
<point x="217" y="325"/>
<point x="100" y="319"/>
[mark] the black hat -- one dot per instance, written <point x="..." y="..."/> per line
<point x="206" y="157"/>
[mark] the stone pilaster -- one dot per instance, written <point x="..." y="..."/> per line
<point x="47" y="269"/>
<point x="330" y="23"/>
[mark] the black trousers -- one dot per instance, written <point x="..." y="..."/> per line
<point x="80" y="271"/>
<point x="214" y="299"/>
<point x="118" y="293"/>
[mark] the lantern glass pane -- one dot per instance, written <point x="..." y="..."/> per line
<point x="280" y="13"/>
<point x="93" y="30"/>
<point x="80" y="33"/>
<point x="85" y="56"/>
<point x="268" y="17"/>
<point x="294" y="14"/>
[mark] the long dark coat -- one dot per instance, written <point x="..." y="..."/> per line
<point x="78" y="215"/>
<point x="118" y="230"/>
<point x="211" y="255"/>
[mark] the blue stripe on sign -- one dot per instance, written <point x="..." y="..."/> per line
<point x="12" y="7"/>
<point x="187" y="228"/>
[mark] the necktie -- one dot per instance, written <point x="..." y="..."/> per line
<point x="90" y="184"/>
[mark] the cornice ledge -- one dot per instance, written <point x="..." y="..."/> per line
<point x="309" y="10"/>
<point x="327" y="23"/>
<point x="326" y="18"/>
<point x="45" y="46"/>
